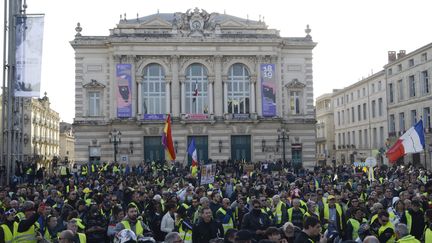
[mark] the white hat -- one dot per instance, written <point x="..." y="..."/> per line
<point x="157" y="197"/>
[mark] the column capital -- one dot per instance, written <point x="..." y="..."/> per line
<point x="174" y="57"/>
<point x="168" y="81"/>
<point x="253" y="79"/>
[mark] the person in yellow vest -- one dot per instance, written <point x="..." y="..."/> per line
<point x="116" y="169"/>
<point x="64" y="172"/>
<point x="279" y="211"/>
<point x="84" y="170"/>
<point x="26" y="230"/>
<point x="224" y="215"/>
<point x="402" y="234"/>
<point x="51" y="233"/>
<point x="427" y="235"/>
<point x="72" y="225"/>
<point x="132" y="222"/>
<point x="296" y="213"/>
<point x="312" y="210"/>
<point x="8" y="226"/>
<point x="183" y="225"/>
<point x="353" y="224"/>
<point x="386" y="233"/>
<point x="66" y="236"/>
<point x="333" y="215"/>
<point x="414" y="219"/>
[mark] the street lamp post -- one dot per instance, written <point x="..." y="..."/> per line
<point x="283" y="135"/>
<point x="115" y="138"/>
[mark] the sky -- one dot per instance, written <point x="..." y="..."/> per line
<point x="353" y="36"/>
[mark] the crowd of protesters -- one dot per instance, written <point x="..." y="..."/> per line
<point x="270" y="203"/>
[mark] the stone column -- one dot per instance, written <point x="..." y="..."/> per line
<point x="176" y="94"/>
<point x="210" y="95"/>
<point x="225" y="95"/>
<point x="131" y="59"/>
<point x="218" y="90"/>
<point x="259" y="60"/>
<point x="252" y="99"/>
<point x="168" y="97"/>
<point x="140" y="102"/>
<point x="182" y="96"/>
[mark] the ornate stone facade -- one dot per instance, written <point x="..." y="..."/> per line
<point x="205" y="70"/>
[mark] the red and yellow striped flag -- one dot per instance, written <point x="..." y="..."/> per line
<point x="167" y="140"/>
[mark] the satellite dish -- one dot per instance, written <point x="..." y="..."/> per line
<point x="370" y="162"/>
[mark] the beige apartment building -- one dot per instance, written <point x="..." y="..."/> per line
<point x="325" y="143"/>
<point x="67" y="143"/>
<point x="409" y="97"/>
<point x="231" y="84"/>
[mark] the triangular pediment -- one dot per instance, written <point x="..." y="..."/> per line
<point x="295" y="84"/>
<point x="156" y="22"/>
<point x="93" y="84"/>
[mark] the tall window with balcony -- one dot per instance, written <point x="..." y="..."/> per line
<point x="196" y="89"/>
<point x="238" y="89"/>
<point x="390" y="92"/>
<point x="425" y="82"/>
<point x="392" y="125"/>
<point x="153" y="90"/>
<point x="400" y="88"/>
<point x="359" y="112"/>
<point x="412" y="86"/>
<point x="295" y="104"/>
<point x="94" y="102"/>
<point x="352" y="115"/>
<point x="413" y="117"/>
<point x="380" y="107"/>
<point x="364" y="111"/>
<point x="373" y="108"/>
<point x="339" y="118"/>
<point x="343" y="117"/>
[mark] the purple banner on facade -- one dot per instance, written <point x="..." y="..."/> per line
<point x="268" y="90"/>
<point x="154" y="117"/>
<point x="124" y="94"/>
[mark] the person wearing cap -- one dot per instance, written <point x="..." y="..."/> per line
<point x="414" y="219"/>
<point x="332" y="215"/>
<point x="72" y="225"/>
<point x="7" y="228"/>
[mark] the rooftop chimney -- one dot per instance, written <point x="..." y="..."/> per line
<point x="391" y="56"/>
<point x="401" y="54"/>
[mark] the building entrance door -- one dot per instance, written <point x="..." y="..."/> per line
<point x="201" y="145"/>
<point x="153" y="149"/>
<point x="241" y="147"/>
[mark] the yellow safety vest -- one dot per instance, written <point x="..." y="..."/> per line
<point x="138" y="227"/>
<point x="279" y="212"/>
<point x="409" y="220"/>
<point x="383" y="228"/>
<point x="28" y="236"/>
<point x="338" y="210"/>
<point x="47" y="235"/>
<point x="68" y="188"/>
<point x="8" y="235"/>
<point x="185" y="235"/>
<point x="116" y="169"/>
<point x="84" y="170"/>
<point x="63" y="171"/>
<point x="82" y="238"/>
<point x="230" y="224"/>
<point x="428" y="235"/>
<point x="290" y="213"/>
<point x="356" y="226"/>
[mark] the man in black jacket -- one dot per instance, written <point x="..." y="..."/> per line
<point x="206" y="228"/>
<point x="256" y="221"/>
<point x="311" y="231"/>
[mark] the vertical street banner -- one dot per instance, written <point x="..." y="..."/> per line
<point x="124" y="94"/>
<point x="268" y="89"/>
<point x="28" y="55"/>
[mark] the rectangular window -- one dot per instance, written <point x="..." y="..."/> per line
<point x="411" y="62"/>
<point x="339" y="118"/>
<point x="353" y="138"/>
<point x="295" y="102"/>
<point x="364" y="92"/>
<point x="427" y="118"/>
<point x="349" y="138"/>
<point x="373" y="108"/>
<point x="412" y="88"/>
<point x="337" y="102"/>
<point x="401" y="90"/>
<point x="413" y="117"/>
<point x="343" y="117"/>
<point x="373" y="88"/>
<point x="360" y="137"/>
<point x="392" y="126"/>
<point x="339" y="139"/>
<point x="425" y="82"/>
<point x="424" y="57"/>
<point x="381" y="137"/>
<point x="390" y="71"/>
<point x="391" y="93"/>
<point x="348" y="116"/>
<point x="379" y="85"/>
<point x="359" y="112"/>
<point x="352" y="115"/>
<point x="401" y="122"/>
<point x="352" y="96"/>
<point x="94" y="103"/>
<point x="399" y="67"/>
<point x="380" y="107"/>
<point x="358" y="94"/>
<point x="366" y="137"/>
<point x="347" y="99"/>
<point x="343" y="138"/>
<point x="364" y="111"/>
<point x="374" y="137"/>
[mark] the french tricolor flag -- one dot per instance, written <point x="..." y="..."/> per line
<point x="193" y="153"/>
<point x="412" y="141"/>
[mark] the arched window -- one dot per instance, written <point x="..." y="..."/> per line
<point x="153" y="90"/>
<point x="196" y="89"/>
<point x="238" y="89"/>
